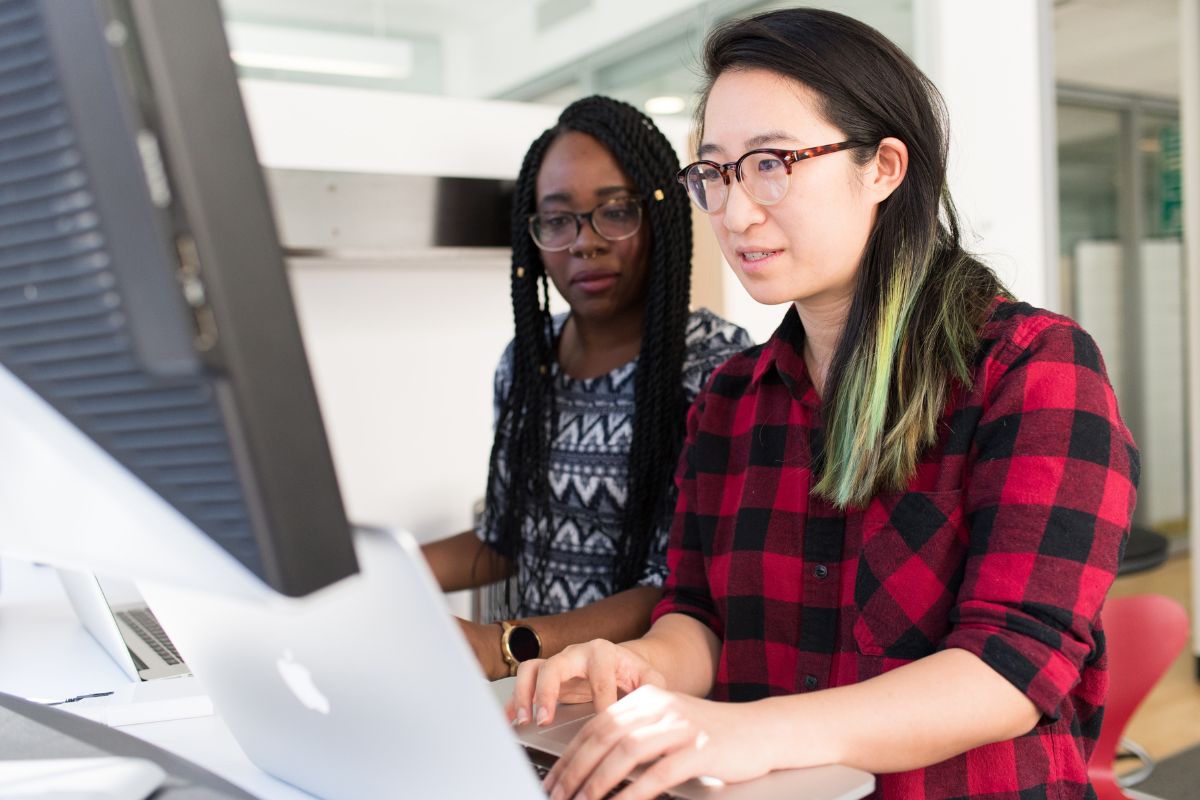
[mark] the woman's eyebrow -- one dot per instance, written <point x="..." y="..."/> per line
<point x="611" y="190"/>
<point x="604" y="191"/>
<point x="754" y="142"/>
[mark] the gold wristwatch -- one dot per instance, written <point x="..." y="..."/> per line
<point x="518" y="642"/>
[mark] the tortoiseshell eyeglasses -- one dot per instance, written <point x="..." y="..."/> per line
<point x="763" y="173"/>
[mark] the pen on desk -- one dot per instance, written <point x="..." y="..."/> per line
<point x="77" y="698"/>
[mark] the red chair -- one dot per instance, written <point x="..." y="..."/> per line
<point x="1145" y="633"/>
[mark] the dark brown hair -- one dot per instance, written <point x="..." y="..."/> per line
<point x="920" y="299"/>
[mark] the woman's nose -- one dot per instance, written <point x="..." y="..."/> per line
<point x="740" y="210"/>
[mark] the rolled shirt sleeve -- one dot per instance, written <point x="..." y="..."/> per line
<point x="1048" y="502"/>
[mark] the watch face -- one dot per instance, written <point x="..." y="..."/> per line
<point x="523" y="643"/>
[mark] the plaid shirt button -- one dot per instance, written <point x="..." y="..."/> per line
<point x="821" y="571"/>
<point x="811" y="682"/>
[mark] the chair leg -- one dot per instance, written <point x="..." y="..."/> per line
<point x="1141" y="773"/>
<point x="1133" y="794"/>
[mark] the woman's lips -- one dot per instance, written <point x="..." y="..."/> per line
<point x="595" y="281"/>
<point x="752" y="261"/>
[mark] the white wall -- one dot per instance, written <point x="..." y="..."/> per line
<point x="403" y="357"/>
<point x="402" y="348"/>
<point x="303" y="126"/>
<point x="993" y="63"/>
<point x="761" y="321"/>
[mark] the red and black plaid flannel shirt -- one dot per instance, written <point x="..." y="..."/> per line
<point x="1004" y="545"/>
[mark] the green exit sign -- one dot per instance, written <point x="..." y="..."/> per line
<point x="1171" y="181"/>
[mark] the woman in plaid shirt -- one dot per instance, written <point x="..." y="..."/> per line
<point x="898" y="518"/>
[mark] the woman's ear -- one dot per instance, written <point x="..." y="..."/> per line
<point x="887" y="169"/>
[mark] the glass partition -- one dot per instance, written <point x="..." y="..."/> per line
<point x="1120" y="213"/>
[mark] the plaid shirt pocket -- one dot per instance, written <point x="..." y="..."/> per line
<point x="910" y="565"/>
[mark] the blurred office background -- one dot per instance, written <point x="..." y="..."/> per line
<point x="1067" y="162"/>
<point x="349" y="98"/>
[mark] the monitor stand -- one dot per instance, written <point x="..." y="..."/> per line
<point x="30" y="730"/>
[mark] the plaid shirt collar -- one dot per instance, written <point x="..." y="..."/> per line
<point x="783" y="354"/>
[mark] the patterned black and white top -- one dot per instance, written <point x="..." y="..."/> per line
<point x="589" y="468"/>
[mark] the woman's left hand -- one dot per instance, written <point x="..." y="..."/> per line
<point x="685" y="737"/>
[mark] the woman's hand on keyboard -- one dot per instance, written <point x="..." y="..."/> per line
<point x="676" y="736"/>
<point x="597" y="671"/>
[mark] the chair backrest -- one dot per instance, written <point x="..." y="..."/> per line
<point x="1144" y="634"/>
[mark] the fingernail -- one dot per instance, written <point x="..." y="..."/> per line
<point x="542" y="714"/>
<point x="522" y="716"/>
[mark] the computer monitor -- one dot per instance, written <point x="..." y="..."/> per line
<point x="157" y="415"/>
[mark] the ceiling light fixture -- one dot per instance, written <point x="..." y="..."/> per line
<point x="665" y="104"/>
<point x="314" y="52"/>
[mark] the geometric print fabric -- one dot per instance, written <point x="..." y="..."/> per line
<point x="589" y="469"/>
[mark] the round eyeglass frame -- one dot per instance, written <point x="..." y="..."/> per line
<point x="580" y="216"/>
<point x="788" y="157"/>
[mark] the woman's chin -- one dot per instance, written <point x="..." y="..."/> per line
<point x="764" y="292"/>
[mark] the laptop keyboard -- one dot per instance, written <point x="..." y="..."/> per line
<point x="143" y="623"/>
<point x="542" y="762"/>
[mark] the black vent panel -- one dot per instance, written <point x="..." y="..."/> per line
<point x="63" y="328"/>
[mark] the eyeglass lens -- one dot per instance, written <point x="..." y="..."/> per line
<point x="613" y="220"/>
<point x="764" y="176"/>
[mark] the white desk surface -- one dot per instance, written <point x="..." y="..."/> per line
<point x="46" y="655"/>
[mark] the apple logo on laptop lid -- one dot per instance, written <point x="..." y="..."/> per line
<point x="299" y="679"/>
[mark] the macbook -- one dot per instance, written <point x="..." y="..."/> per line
<point x="125" y="628"/>
<point x="367" y="689"/>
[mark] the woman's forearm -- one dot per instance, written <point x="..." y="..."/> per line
<point x="907" y="718"/>
<point x="624" y="615"/>
<point x="463" y="561"/>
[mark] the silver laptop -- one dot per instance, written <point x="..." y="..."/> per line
<point x="123" y="625"/>
<point x="367" y="689"/>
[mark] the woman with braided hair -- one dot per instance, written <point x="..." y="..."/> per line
<point x="590" y="403"/>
